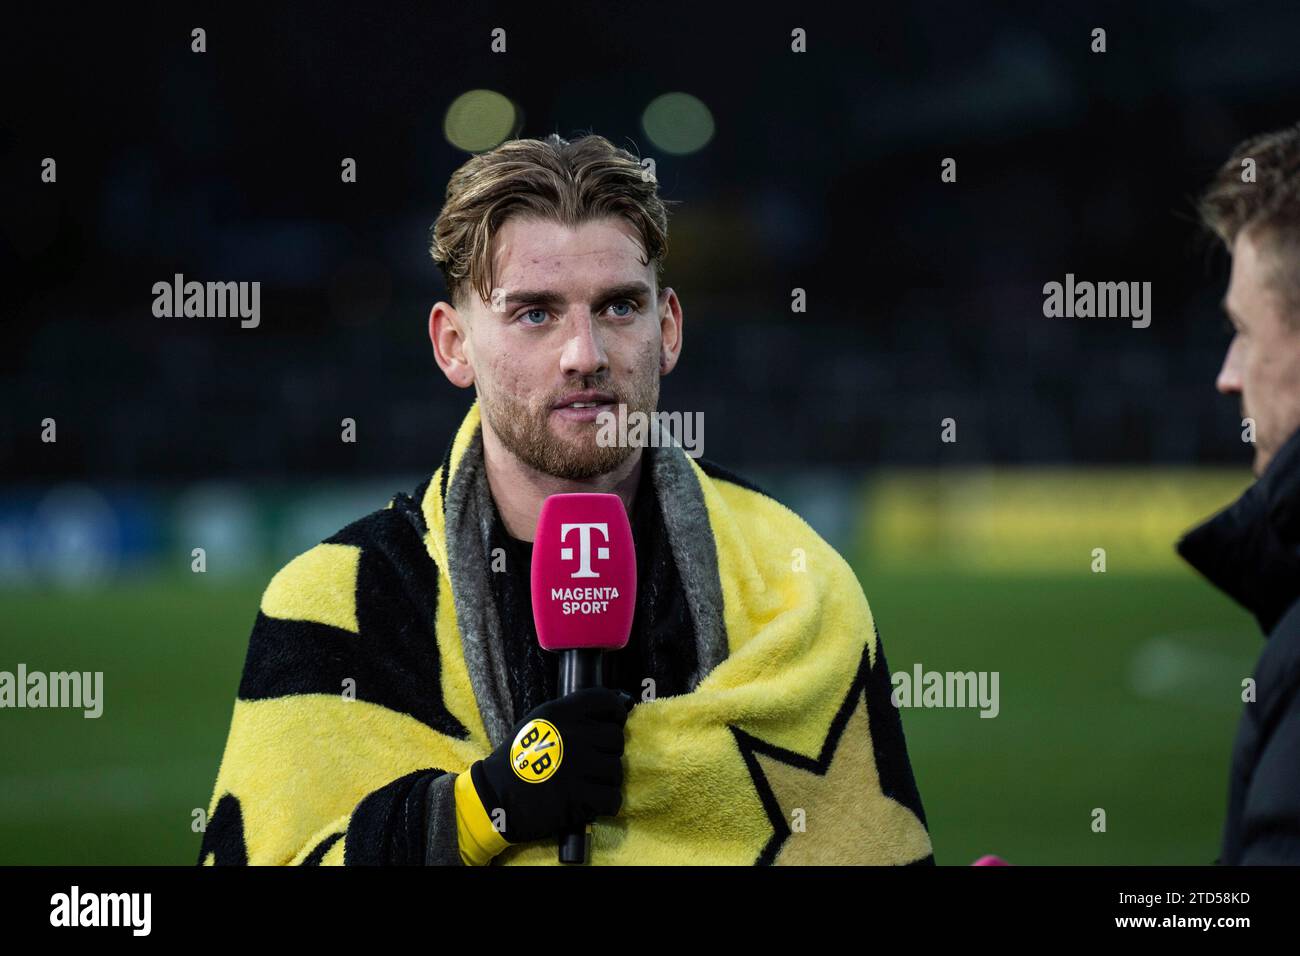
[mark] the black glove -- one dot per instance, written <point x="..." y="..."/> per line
<point x="567" y="769"/>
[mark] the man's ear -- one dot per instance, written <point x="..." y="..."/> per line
<point x="670" y="331"/>
<point x="449" y="338"/>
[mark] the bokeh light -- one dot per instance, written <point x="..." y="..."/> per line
<point x="478" y="120"/>
<point x="678" y="123"/>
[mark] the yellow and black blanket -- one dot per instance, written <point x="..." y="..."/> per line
<point x="375" y="675"/>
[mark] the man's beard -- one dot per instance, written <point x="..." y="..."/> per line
<point x="525" y="429"/>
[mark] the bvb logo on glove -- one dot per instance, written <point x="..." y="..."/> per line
<point x="537" y="751"/>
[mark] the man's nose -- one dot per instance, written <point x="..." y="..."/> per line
<point x="584" y="352"/>
<point x="1229" y="380"/>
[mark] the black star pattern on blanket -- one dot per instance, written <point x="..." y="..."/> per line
<point x="853" y="794"/>
<point x="223" y="837"/>
<point x="392" y="657"/>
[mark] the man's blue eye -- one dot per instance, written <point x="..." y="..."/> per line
<point x="541" y="312"/>
<point x="627" y="305"/>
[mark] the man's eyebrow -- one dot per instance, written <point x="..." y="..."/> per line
<point x="547" y="297"/>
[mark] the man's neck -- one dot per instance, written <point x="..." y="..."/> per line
<point x="519" y="489"/>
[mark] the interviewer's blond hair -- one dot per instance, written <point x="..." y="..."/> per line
<point x="565" y="182"/>
<point x="1268" y="209"/>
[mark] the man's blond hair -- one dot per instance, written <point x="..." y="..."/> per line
<point x="552" y="179"/>
<point x="1266" y="206"/>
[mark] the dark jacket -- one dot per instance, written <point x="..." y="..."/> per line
<point x="1251" y="551"/>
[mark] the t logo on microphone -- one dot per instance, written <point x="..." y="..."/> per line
<point x="584" y="573"/>
<point x="584" y="547"/>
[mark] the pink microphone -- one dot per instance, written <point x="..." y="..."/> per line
<point x="584" y="597"/>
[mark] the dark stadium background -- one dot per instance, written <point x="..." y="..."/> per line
<point x="1119" y="691"/>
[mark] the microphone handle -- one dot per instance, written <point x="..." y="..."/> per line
<point x="580" y="667"/>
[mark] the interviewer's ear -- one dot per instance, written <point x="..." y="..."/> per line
<point x="448" y="336"/>
<point x="670" y="329"/>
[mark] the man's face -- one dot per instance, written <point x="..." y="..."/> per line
<point x="1263" y="360"/>
<point x="577" y="326"/>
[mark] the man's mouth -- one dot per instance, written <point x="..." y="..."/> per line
<point x="583" y="406"/>
<point x="585" y="399"/>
